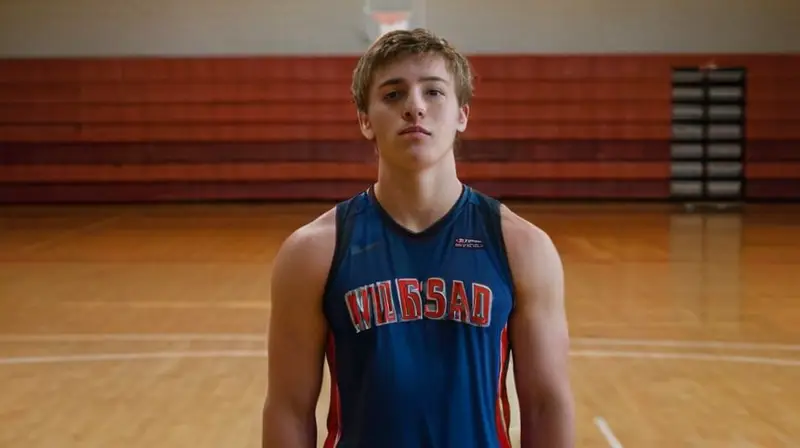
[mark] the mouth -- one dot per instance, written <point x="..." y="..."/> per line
<point x="414" y="130"/>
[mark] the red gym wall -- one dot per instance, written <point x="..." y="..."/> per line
<point x="91" y="114"/>
<point x="284" y="127"/>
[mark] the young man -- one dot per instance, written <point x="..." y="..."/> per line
<point x="418" y="289"/>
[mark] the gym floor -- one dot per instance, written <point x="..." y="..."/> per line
<point x="144" y="326"/>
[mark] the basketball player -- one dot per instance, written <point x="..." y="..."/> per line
<point x="418" y="289"/>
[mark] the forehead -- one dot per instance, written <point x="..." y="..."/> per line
<point x="414" y="68"/>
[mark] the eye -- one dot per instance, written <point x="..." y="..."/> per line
<point x="391" y="95"/>
<point x="435" y="92"/>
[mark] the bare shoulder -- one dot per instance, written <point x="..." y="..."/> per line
<point x="533" y="257"/>
<point x="524" y="240"/>
<point x="305" y="256"/>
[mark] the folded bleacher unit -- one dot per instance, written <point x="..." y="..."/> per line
<point x="708" y="134"/>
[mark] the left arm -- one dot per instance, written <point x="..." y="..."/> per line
<point x="539" y="337"/>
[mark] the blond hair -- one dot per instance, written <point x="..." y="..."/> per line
<point x="395" y="45"/>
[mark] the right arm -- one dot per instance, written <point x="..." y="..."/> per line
<point x="296" y="336"/>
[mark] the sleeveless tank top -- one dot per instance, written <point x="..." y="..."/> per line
<point x="418" y="344"/>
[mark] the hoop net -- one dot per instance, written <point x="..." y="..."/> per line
<point x="390" y="21"/>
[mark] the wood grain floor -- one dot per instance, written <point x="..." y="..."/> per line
<point x="144" y="326"/>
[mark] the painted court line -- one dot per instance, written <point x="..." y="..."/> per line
<point x="262" y="353"/>
<point x="131" y="357"/>
<point x="171" y="305"/>
<point x="687" y="344"/>
<point x="605" y="429"/>
<point x="133" y="337"/>
<point x="256" y="337"/>
<point x="686" y="356"/>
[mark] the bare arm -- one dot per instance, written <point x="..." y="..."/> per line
<point x="296" y="340"/>
<point x="539" y="337"/>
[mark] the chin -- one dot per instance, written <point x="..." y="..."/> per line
<point x="419" y="156"/>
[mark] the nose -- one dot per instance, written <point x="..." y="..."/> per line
<point x="415" y="107"/>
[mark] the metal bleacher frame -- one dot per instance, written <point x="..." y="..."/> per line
<point x="708" y="136"/>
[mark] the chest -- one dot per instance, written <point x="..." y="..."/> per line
<point x="382" y="281"/>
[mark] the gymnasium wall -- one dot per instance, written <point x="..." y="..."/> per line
<point x="45" y="28"/>
<point x="113" y="101"/>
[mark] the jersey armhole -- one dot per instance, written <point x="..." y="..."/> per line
<point x="493" y="210"/>
<point x="342" y="237"/>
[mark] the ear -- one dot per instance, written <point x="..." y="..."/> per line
<point x="366" y="126"/>
<point x="463" y="117"/>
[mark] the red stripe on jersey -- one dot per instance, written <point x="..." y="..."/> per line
<point x="334" y="410"/>
<point x="503" y="407"/>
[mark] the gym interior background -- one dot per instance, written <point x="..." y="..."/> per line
<point x="116" y="101"/>
<point x="153" y="155"/>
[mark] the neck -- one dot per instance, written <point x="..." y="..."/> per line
<point x="417" y="199"/>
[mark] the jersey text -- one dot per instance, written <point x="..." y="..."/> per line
<point x="409" y="299"/>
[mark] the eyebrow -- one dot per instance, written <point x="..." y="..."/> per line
<point x="395" y="81"/>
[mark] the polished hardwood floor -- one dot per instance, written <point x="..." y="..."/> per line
<point x="144" y="326"/>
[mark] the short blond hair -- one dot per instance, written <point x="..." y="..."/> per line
<point x="395" y="45"/>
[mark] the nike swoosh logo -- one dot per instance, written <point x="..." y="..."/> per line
<point x="357" y="250"/>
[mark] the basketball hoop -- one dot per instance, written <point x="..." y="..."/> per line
<point x="390" y="20"/>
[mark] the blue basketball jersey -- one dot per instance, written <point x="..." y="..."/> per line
<point x="418" y="343"/>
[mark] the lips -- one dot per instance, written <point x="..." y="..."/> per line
<point x="415" y="129"/>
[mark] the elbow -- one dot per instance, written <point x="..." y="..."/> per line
<point x="554" y="404"/>
<point x="552" y="411"/>
<point x="283" y="426"/>
<point x="548" y="420"/>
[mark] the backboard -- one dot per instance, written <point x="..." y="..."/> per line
<point x="390" y="21"/>
<point x="382" y="16"/>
